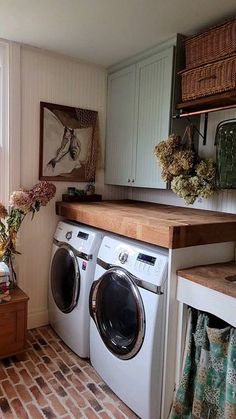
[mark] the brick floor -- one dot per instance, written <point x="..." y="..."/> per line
<point x="50" y="381"/>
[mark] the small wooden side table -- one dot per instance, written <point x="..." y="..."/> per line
<point x="13" y="324"/>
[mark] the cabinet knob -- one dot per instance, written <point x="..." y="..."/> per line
<point x="132" y="180"/>
<point x="128" y="180"/>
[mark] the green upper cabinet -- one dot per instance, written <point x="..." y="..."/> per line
<point x="154" y="101"/>
<point x="138" y="117"/>
<point x="120" y="126"/>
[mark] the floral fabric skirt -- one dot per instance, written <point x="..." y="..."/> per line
<point x="207" y="389"/>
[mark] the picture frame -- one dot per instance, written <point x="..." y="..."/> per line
<point x="68" y="143"/>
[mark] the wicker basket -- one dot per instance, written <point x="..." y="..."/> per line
<point x="212" y="45"/>
<point x="209" y="79"/>
<point x="226" y="154"/>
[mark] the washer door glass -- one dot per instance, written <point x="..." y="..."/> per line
<point x="119" y="313"/>
<point x="65" y="279"/>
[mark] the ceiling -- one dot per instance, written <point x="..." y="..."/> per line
<point x="105" y="31"/>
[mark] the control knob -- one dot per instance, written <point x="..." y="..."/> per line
<point x="123" y="256"/>
<point x="68" y="235"/>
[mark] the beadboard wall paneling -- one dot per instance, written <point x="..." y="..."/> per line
<point x="223" y="201"/>
<point x="51" y="78"/>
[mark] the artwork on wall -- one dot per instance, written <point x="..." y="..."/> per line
<point x="68" y="143"/>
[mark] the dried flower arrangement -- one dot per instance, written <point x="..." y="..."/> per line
<point x="191" y="177"/>
<point x="21" y="203"/>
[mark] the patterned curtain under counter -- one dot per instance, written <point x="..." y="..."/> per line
<point x="207" y="389"/>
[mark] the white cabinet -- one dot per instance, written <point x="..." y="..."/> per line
<point x="139" y="103"/>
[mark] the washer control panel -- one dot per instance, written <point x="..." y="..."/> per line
<point x="137" y="260"/>
<point x="82" y="238"/>
<point x="148" y="263"/>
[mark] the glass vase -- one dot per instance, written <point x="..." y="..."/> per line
<point x="13" y="277"/>
<point x="10" y="262"/>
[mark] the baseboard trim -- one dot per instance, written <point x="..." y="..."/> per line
<point x="37" y="318"/>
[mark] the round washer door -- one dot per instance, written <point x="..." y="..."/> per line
<point x="65" y="279"/>
<point x="117" y="309"/>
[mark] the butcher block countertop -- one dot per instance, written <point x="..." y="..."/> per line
<point x="162" y="225"/>
<point x="220" y="277"/>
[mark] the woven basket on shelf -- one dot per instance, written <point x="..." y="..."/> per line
<point x="212" y="45"/>
<point x="209" y="79"/>
<point x="226" y="154"/>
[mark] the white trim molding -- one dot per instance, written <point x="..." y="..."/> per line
<point x="37" y="318"/>
<point x="10" y="117"/>
<point x="14" y="115"/>
<point x="4" y="123"/>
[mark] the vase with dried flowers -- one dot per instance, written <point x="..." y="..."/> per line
<point x="21" y="203"/>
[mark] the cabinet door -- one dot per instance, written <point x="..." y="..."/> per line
<point x="120" y="127"/>
<point x="154" y="76"/>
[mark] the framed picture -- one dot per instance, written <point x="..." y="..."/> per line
<point x="68" y="143"/>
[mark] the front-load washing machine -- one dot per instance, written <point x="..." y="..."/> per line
<point x="127" y="308"/>
<point x="73" y="261"/>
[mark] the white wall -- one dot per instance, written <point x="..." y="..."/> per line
<point x="51" y="78"/>
<point x="222" y="201"/>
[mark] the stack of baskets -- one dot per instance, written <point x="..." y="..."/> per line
<point x="210" y="62"/>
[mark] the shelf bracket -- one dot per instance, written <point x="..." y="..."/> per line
<point x="205" y="127"/>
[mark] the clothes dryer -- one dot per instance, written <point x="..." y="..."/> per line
<point x="73" y="261"/>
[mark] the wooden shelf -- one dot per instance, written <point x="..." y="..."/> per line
<point x="210" y="288"/>
<point x="220" y="277"/>
<point x="217" y="102"/>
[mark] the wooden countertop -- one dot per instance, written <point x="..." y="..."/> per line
<point x="162" y="225"/>
<point x="220" y="277"/>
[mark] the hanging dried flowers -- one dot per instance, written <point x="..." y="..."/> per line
<point x="190" y="176"/>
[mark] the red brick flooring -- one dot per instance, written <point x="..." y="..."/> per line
<point x="50" y="381"/>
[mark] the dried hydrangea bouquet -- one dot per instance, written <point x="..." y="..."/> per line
<point x="190" y="176"/>
<point x="21" y="203"/>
